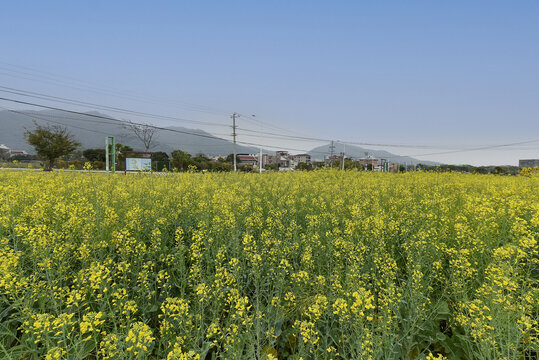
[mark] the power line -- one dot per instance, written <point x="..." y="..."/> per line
<point x="361" y="143"/>
<point x="267" y="124"/>
<point x="137" y="113"/>
<point x="126" y="122"/>
<point x="292" y="137"/>
<point x="51" y="121"/>
<point x="152" y="126"/>
<point x="58" y="80"/>
<point x="115" y="109"/>
<point x="102" y="107"/>
<point x="256" y="144"/>
<point x="479" y="148"/>
<point x="274" y="135"/>
<point x="64" y="80"/>
<point x="35" y="117"/>
<point x="109" y="118"/>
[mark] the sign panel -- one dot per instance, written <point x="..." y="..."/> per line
<point x="138" y="164"/>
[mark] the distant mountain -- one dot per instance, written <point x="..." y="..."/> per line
<point x="91" y="131"/>
<point x="357" y="152"/>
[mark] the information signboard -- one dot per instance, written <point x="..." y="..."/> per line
<point x="138" y="164"/>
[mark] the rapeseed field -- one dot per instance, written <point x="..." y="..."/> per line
<point x="303" y="265"/>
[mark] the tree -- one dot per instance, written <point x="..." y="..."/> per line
<point x="121" y="151"/>
<point x="220" y="166"/>
<point x="120" y="147"/>
<point x="24" y="157"/>
<point x="95" y="154"/>
<point x="201" y="162"/>
<point x="51" y="142"/>
<point x="144" y="132"/>
<point x="160" y="160"/>
<point x="181" y="160"/>
<point x="76" y="155"/>
<point x="230" y="158"/>
<point x="304" y="166"/>
<point x="159" y="156"/>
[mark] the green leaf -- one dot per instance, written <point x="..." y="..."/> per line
<point x="443" y="308"/>
<point x="440" y="337"/>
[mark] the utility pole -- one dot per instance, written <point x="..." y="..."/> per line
<point x="331" y="150"/>
<point x="260" y="157"/>
<point x="234" y="116"/>
<point x="343" y="152"/>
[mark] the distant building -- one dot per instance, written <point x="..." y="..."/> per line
<point x="17" y="152"/>
<point x="283" y="160"/>
<point x="267" y="159"/>
<point x="378" y="164"/>
<point x="393" y="167"/>
<point x="218" y="158"/>
<point x="4" y="151"/>
<point x="248" y="159"/>
<point x="367" y="160"/>
<point x="302" y="159"/>
<point x="331" y="159"/>
<point x="528" y="163"/>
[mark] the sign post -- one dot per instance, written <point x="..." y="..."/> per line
<point x="109" y="141"/>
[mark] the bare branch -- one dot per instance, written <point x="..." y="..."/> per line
<point x="143" y="132"/>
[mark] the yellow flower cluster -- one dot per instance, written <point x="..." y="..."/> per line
<point x="178" y="354"/>
<point x="139" y="339"/>
<point x="304" y="265"/>
<point x="91" y="323"/>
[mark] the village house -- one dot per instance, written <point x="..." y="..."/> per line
<point x="283" y="160"/>
<point x="302" y="159"/>
<point x="250" y="160"/>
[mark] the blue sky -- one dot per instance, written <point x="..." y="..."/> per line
<point x="452" y="75"/>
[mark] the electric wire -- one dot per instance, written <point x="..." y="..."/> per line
<point x="272" y="135"/>
<point x="36" y="73"/>
<point x="102" y="107"/>
<point x="33" y="116"/>
<point x="258" y="144"/>
<point x="109" y="118"/>
<point x="58" y="80"/>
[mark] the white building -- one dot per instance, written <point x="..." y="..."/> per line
<point x="5" y="152"/>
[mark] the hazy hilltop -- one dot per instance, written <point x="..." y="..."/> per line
<point x="90" y="131"/>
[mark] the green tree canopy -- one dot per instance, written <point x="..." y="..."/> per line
<point x="94" y="154"/>
<point x="51" y="142"/>
<point x="230" y="158"/>
<point x="304" y="166"/>
<point x="181" y="160"/>
<point x="160" y="161"/>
